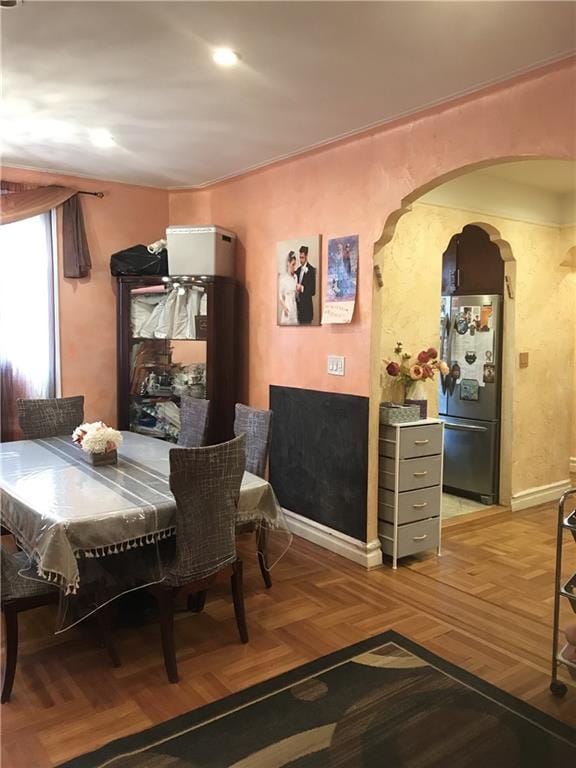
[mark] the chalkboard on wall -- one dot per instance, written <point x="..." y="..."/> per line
<point x="319" y="456"/>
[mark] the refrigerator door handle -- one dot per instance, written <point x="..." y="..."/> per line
<point x="465" y="427"/>
<point x="450" y="385"/>
<point x="445" y="346"/>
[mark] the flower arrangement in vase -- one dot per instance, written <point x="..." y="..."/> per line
<point x="98" y="442"/>
<point x="413" y="373"/>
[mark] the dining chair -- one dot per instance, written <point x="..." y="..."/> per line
<point x="18" y="594"/>
<point x="257" y="426"/>
<point x="194" y="413"/>
<point x="51" y="417"/>
<point x="206" y="485"/>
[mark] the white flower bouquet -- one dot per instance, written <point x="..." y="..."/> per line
<point x="97" y="439"/>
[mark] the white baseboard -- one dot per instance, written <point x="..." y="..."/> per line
<point x="368" y="554"/>
<point x="573" y="465"/>
<point x="532" y="497"/>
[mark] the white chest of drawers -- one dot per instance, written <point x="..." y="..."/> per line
<point x="410" y="487"/>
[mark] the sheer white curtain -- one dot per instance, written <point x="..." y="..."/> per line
<point x="27" y="340"/>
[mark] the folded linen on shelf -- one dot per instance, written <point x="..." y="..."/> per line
<point x="171" y="315"/>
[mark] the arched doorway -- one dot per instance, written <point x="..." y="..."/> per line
<point x="539" y="281"/>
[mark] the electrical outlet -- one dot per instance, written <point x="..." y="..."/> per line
<point x="335" y="365"/>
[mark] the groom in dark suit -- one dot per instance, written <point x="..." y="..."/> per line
<point x="306" y="288"/>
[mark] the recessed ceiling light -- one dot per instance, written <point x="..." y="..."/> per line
<point x="101" y="137"/>
<point x="225" y="57"/>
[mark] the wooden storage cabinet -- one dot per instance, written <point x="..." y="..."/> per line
<point x="410" y="487"/>
<point x="472" y="264"/>
<point x="194" y="352"/>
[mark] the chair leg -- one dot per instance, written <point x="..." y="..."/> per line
<point x="11" y="626"/>
<point x="166" y="600"/>
<point x="262" y="546"/>
<point x="104" y="619"/>
<point x="197" y="601"/>
<point x="238" y="596"/>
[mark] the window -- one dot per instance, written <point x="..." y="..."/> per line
<point x="28" y="341"/>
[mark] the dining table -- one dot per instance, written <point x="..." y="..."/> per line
<point x="83" y="525"/>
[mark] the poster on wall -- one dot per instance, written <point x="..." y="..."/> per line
<point x="298" y="281"/>
<point x="341" y="281"/>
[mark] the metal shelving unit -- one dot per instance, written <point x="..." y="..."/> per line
<point x="563" y="588"/>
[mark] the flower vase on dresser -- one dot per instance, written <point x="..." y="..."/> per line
<point x="414" y="374"/>
<point x="416" y="395"/>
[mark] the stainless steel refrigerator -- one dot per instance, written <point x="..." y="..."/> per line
<point x="469" y="395"/>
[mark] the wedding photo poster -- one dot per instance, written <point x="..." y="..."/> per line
<point x="341" y="280"/>
<point x="298" y="285"/>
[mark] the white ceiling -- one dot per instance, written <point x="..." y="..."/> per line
<point x="538" y="191"/>
<point x="557" y="177"/>
<point x="310" y="72"/>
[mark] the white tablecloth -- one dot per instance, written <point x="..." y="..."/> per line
<point x="61" y="509"/>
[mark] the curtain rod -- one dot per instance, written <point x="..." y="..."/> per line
<point x="94" y="194"/>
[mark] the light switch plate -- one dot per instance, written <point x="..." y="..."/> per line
<point x="335" y="365"/>
<point x="523" y="359"/>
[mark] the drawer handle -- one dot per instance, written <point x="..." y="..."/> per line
<point x="420" y="506"/>
<point x="420" y="474"/>
<point x="421" y="442"/>
<point x="420" y="538"/>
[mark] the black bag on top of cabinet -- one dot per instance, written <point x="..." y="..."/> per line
<point x="137" y="260"/>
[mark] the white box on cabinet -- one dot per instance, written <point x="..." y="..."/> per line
<point x="200" y="251"/>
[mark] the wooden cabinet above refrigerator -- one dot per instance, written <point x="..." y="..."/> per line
<point x="472" y="264"/>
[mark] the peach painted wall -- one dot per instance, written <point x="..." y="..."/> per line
<point x="352" y="187"/>
<point x="124" y="216"/>
<point x="358" y="186"/>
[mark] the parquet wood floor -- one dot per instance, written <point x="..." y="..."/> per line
<point x="485" y="605"/>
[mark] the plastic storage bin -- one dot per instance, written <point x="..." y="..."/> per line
<point x="200" y="251"/>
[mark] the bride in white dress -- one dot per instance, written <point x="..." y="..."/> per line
<point x="287" y="292"/>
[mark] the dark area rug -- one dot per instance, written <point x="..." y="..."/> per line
<point x="382" y="703"/>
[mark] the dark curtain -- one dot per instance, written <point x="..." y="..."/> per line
<point x="11" y="388"/>
<point x="75" y="252"/>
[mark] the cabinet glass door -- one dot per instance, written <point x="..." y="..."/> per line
<point x="167" y="357"/>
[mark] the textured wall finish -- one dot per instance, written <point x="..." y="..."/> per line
<point x="567" y="257"/>
<point x="319" y="456"/>
<point x="125" y="216"/>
